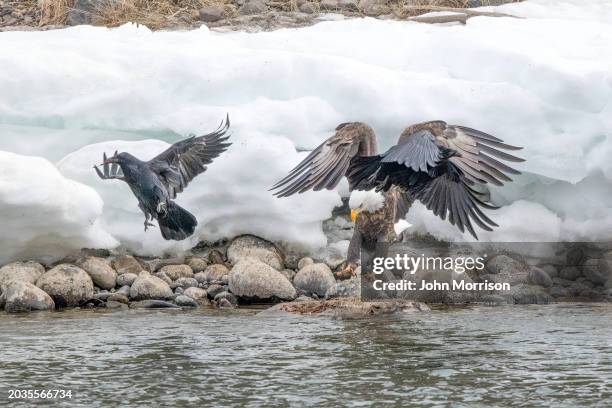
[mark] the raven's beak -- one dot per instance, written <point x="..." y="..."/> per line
<point x="114" y="159"/>
<point x="354" y="214"/>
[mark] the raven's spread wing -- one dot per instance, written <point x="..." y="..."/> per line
<point x="184" y="160"/>
<point x="445" y="167"/>
<point x="325" y="166"/>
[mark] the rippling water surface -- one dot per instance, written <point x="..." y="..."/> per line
<point x="556" y="355"/>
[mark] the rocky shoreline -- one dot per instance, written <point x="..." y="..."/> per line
<point x="226" y="15"/>
<point x="250" y="270"/>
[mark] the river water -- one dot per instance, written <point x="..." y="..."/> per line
<point x="526" y="356"/>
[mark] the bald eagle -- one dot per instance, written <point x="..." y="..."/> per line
<point x="445" y="167"/>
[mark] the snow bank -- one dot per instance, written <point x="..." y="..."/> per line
<point x="45" y="215"/>
<point x="543" y="82"/>
<point x="229" y="199"/>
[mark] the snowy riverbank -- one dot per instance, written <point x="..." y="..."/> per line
<point x="542" y="82"/>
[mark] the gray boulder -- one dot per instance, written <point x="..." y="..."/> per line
<point x="184" y="283"/>
<point x="250" y="246"/>
<point x="339" y="5"/>
<point x="25" y="297"/>
<point x="253" y="7"/>
<point x="154" y="265"/>
<point x="186" y="301"/>
<point x="559" y="292"/>
<point x="153" y="304"/>
<point x="102" y="274"/>
<point x="211" y="13"/>
<point x="596" y="270"/>
<point x="83" y="12"/>
<point x="127" y="279"/>
<point x="507" y="269"/>
<point x="126" y="264"/>
<point x="374" y="7"/>
<point x="315" y="278"/>
<point x="68" y="285"/>
<point x="254" y="279"/>
<point x="147" y="286"/>
<point x="197" y="294"/>
<point x="21" y="272"/>
<point x="177" y="271"/>
<point x="570" y="273"/>
<point x="538" y="276"/>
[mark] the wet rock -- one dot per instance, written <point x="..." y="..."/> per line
<point x="197" y="264"/>
<point x="102" y="274"/>
<point x="559" y="292"/>
<point x="250" y="246"/>
<point x="185" y="301"/>
<point x="226" y="295"/>
<point x="197" y="294"/>
<point x="374" y="7"/>
<point x="126" y="264"/>
<point x="315" y="278"/>
<point x="304" y="262"/>
<point x="111" y="304"/>
<point x="210" y="14"/>
<point x="225" y="304"/>
<point x="103" y="295"/>
<point x="127" y="279"/>
<point x="253" y="7"/>
<point x="175" y="272"/>
<point x="147" y="286"/>
<point x="92" y="303"/>
<point x="345" y="288"/>
<point x="596" y="270"/>
<point x="179" y="291"/>
<point x="254" y="279"/>
<point x="124" y="290"/>
<point x="570" y="273"/>
<point x="214" y="290"/>
<point x="538" y="276"/>
<point x="184" y="283"/>
<point x="118" y="297"/>
<point x="21" y="272"/>
<point x="68" y="285"/>
<point x="153" y="304"/>
<point x="523" y="294"/>
<point x="348" y="308"/>
<point x="20" y="296"/>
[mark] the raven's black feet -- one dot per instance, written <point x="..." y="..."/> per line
<point x="147" y="224"/>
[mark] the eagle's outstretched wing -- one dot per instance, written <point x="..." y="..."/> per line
<point x="325" y="166"/>
<point x="445" y="167"/>
<point x="184" y="160"/>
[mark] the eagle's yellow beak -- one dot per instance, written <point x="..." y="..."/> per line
<point x="354" y="214"/>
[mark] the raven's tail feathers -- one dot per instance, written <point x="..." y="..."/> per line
<point x="177" y="224"/>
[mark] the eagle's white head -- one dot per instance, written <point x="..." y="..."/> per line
<point x="369" y="201"/>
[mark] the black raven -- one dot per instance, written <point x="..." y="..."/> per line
<point x="157" y="182"/>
